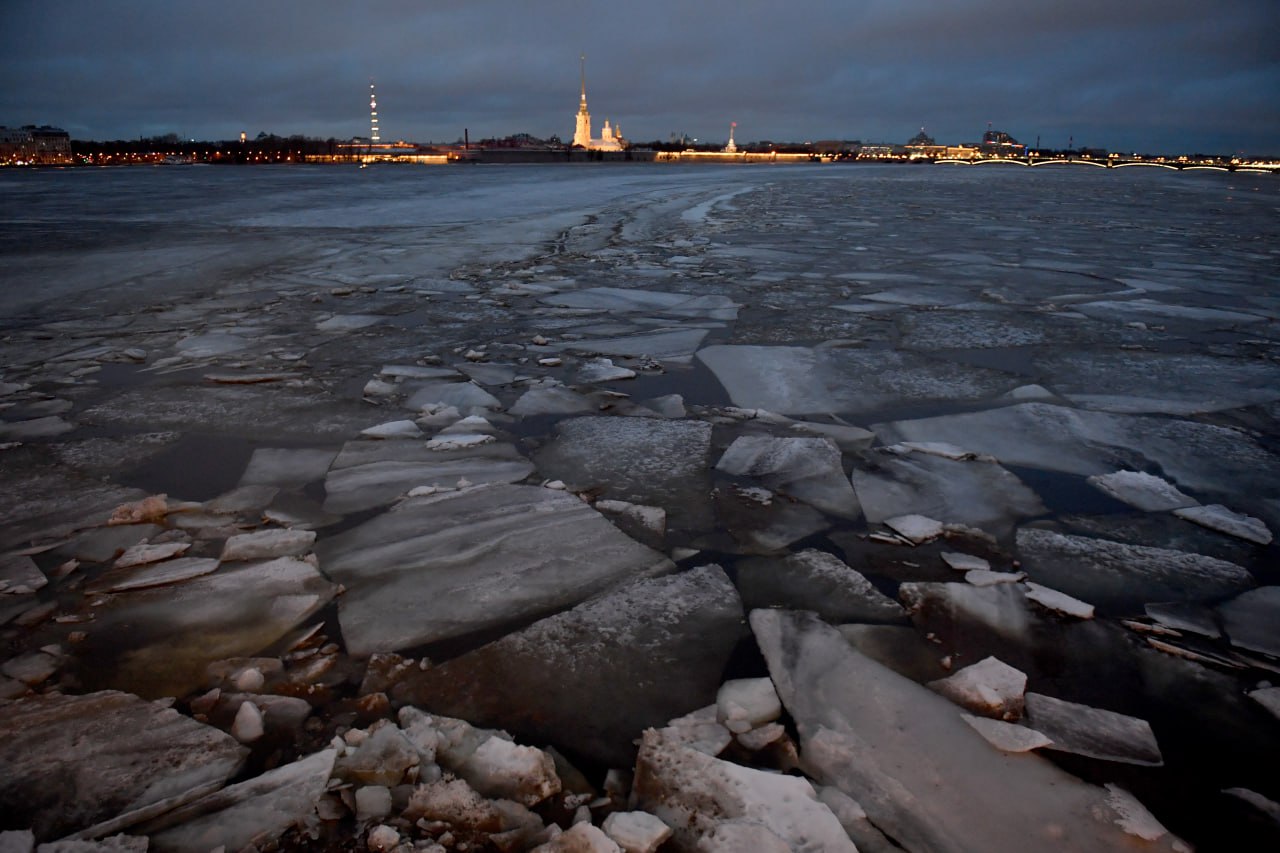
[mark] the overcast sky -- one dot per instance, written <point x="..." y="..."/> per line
<point x="1146" y="75"/>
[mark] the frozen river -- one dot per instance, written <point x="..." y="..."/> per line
<point x="502" y="418"/>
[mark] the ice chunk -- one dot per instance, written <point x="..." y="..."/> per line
<point x="45" y="427"/>
<point x="1093" y="732"/>
<point x="965" y="562"/>
<point x="638" y="460"/>
<point x="501" y="769"/>
<point x="1218" y="517"/>
<point x="1252" y="620"/>
<point x="348" y="322"/>
<point x="461" y="562"/>
<point x="268" y="544"/>
<point x="248" y="813"/>
<point x="1169" y="383"/>
<point x="981" y="577"/>
<point x="743" y="704"/>
<point x="989" y="687"/>
<point x="641" y="654"/>
<point x="1058" y="601"/>
<point x="126" y="754"/>
<point x="367" y="474"/>
<point x="159" y="641"/>
<point x="603" y="370"/>
<point x="1195" y="618"/>
<point x="636" y="832"/>
<point x="671" y="344"/>
<point x="1119" y="577"/>
<point x="696" y="794"/>
<point x="550" y="399"/>
<point x="580" y="838"/>
<point x="1007" y="737"/>
<point x="916" y="528"/>
<point x="618" y="300"/>
<point x="699" y="730"/>
<point x="463" y="395"/>
<point x="19" y="574"/>
<point x="808" y="469"/>
<point x="156" y="574"/>
<point x="977" y="493"/>
<point x="846" y="437"/>
<point x="923" y="775"/>
<point x="286" y="467"/>
<point x="1196" y="455"/>
<point x="1144" y="491"/>
<point x="1269" y="698"/>
<point x="393" y="429"/>
<point x="211" y="344"/>
<point x="818" y="581"/>
<point x="798" y="381"/>
<point x="143" y="553"/>
<point x="382" y="758"/>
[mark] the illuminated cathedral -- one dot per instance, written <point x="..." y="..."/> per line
<point x="610" y="137"/>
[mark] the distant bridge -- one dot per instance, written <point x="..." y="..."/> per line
<point x="1115" y="163"/>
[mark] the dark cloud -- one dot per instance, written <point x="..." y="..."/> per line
<point x="1145" y="74"/>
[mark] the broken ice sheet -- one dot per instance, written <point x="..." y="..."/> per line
<point x="1144" y="491"/>
<point x="461" y="562"/>
<point x="367" y="474"/>
<point x="157" y="642"/>
<point x="617" y="300"/>
<point x="799" y="381"/>
<point x="1252" y="620"/>
<point x="924" y="777"/>
<point x="1218" y="517"/>
<point x="808" y="469"/>
<point x="640" y="460"/>
<point x="640" y="653"/>
<point x="1122" y="578"/>
<point x="818" y="581"/>
<point x="73" y="761"/>
<point x="977" y="493"/>
<point x="1093" y="732"/>
<point x="287" y="467"/>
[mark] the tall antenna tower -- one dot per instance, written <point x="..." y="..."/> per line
<point x="373" y="115"/>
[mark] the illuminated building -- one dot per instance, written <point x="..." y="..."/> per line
<point x="610" y="137"/>
<point x="732" y="147"/>
<point x="32" y="145"/>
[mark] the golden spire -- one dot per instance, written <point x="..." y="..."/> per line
<point x="583" y="59"/>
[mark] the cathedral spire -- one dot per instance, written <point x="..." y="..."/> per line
<point x="583" y="59"/>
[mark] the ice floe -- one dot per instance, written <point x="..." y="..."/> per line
<point x="640" y="655"/>
<point x="818" y="581"/>
<point x="1093" y="732"/>
<point x="1144" y="491"/>
<point x="1218" y="517"/>
<point x="1120" y="577"/>
<point x="922" y="774"/>
<point x="977" y="493"/>
<point x="460" y="562"/>
<point x="808" y="469"/>
<point x="800" y="381"/>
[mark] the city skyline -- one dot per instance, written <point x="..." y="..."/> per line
<point x="1148" y="77"/>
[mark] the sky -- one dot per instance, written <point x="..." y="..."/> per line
<point x="1125" y="75"/>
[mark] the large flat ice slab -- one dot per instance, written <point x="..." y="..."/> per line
<point x="367" y="474"/>
<point x="802" y="380"/>
<point x="975" y="492"/>
<point x="1122" y="578"/>
<point x="1193" y="455"/>
<point x="648" y="461"/>
<point x="924" y="776"/>
<point x="459" y="562"/>
<point x="592" y="677"/>
<point x="159" y="641"/>
<point x="71" y="762"/>
<point x="615" y="299"/>
<point x="808" y="469"/>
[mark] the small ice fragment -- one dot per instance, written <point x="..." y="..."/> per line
<point x="978" y="577"/>
<point x="1132" y="816"/>
<point x="393" y="429"/>
<point x="459" y="441"/>
<point x="1218" y="517"/>
<point x="248" y="723"/>
<point x="989" y="687"/>
<point x="1007" y="737"/>
<point x="965" y="562"/>
<point x="1144" y="491"/>
<point x="1059" y="601"/>
<point x="1269" y="698"/>
<point x="916" y="528"/>
<point x="747" y="703"/>
<point x="143" y="553"/>
<point x="1093" y="732"/>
